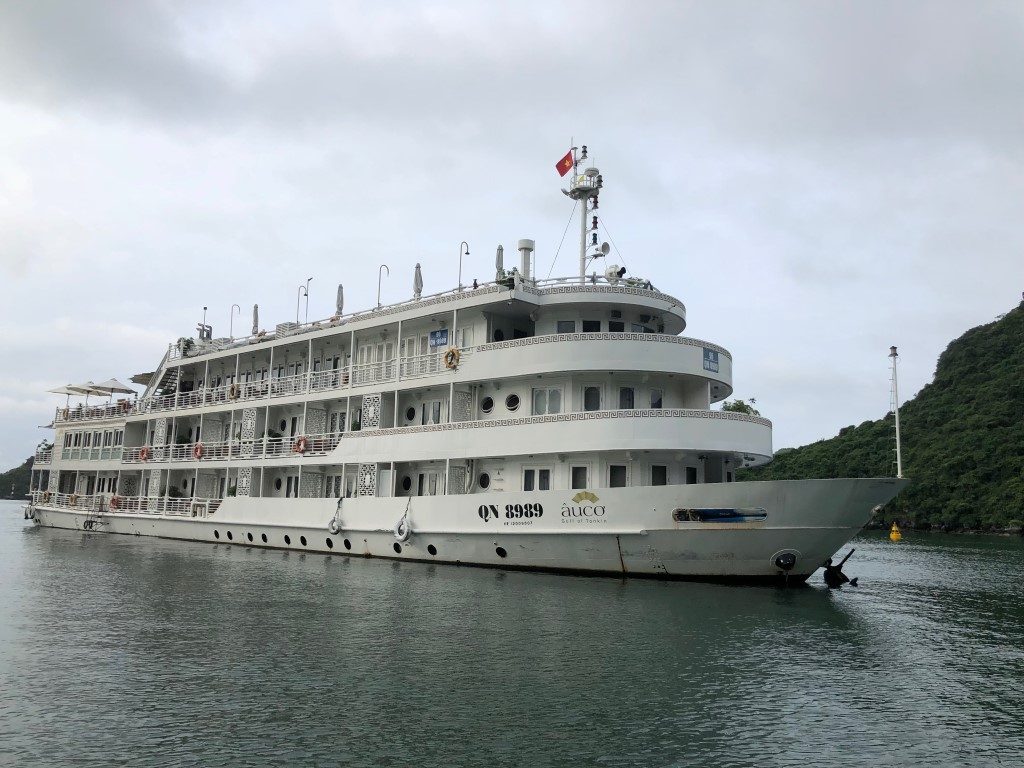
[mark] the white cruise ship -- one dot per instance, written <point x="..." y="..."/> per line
<point x="557" y="424"/>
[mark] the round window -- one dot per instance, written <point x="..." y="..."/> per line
<point x="499" y="335"/>
<point x="485" y="480"/>
<point x="406" y="483"/>
<point x="512" y="402"/>
<point x="284" y="425"/>
<point x="410" y="413"/>
<point x="487" y="404"/>
<point x="277" y="484"/>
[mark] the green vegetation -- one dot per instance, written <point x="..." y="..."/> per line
<point x="14" y="482"/>
<point x="741" y="406"/>
<point x="963" y="440"/>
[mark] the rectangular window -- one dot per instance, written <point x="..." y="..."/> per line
<point x="528" y="479"/>
<point x="579" y="478"/>
<point x="119" y="438"/>
<point x="691" y="475"/>
<point x="636" y="328"/>
<point x="591" y="326"/>
<point x="659" y="474"/>
<point x="591" y="398"/>
<point x="616" y="326"/>
<point x="543" y="479"/>
<point x="547" y="401"/>
<point x="656" y="395"/>
<point x="617" y="476"/>
<point x="728" y="477"/>
<point x="626" y="399"/>
<point x="565" y="326"/>
<point x="288" y="490"/>
<point x="435" y="411"/>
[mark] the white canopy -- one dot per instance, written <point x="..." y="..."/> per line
<point x="68" y="389"/>
<point x="113" y="386"/>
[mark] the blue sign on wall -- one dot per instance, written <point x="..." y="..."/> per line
<point x="439" y="338"/>
<point x="710" y="360"/>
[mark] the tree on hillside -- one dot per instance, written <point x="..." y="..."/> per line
<point x="741" y="406"/>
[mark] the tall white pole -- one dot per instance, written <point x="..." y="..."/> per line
<point x="896" y="412"/>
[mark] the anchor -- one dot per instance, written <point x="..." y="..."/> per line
<point x="834" y="576"/>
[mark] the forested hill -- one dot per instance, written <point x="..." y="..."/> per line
<point x="963" y="439"/>
<point x="14" y="482"/>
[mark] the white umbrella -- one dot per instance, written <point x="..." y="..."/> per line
<point x="110" y="386"/>
<point x="88" y="389"/>
<point x="69" y="390"/>
<point x="417" y="283"/>
<point x="499" y="263"/>
<point x="339" y="303"/>
<point x="255" y="319"/>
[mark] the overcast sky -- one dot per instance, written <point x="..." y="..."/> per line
<point x="816" y="181"/>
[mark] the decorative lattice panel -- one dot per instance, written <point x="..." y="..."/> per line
<point x="367" y="484"/>
<point x="456" y="479"/>
<point x="243" y="487"/>
<point x="206" y="486"/>
<point x="155" y="476"/>
<point x="160" y="431"/>
<point x="53" y="486"/>
<point x="248" y="424"/>
<point x="129" y="486"/>
<point x="371" y="411"/>
<point x="316" y="421"/>
<point x="312" y="485"/>
<point x="462" y="406"/>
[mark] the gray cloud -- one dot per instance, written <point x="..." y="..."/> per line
<point x="816" y="181"/>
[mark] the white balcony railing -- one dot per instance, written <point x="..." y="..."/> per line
<point x="271" y="447"/>
<point x="43" y="457"/>
<point x="113" y="504"/>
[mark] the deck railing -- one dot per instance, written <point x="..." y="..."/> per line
<point x="114" y="504"/>
<point x="271" y="447"/>
<point x="43" y="457"/>
<point x="77" y="413"/>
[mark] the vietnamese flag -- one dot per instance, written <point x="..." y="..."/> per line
<point x="565" y="164"/>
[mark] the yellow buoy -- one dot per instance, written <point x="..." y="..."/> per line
<point x="894" y="533"/>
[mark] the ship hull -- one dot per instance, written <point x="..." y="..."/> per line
<point x="724" y="532"/>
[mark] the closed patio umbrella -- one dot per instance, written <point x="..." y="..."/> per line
<point x="499" y="263"/>
<point x="255" y="319"/>
<point x="417" y="283"/>
<point x="339" y="303"/>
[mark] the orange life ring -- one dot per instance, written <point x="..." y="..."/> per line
<point x="451" y="358"/>
<point x="301" y="445"/>
<point x="233" y="391"/>
<point x="73" y="500"/>
<point x="46" y="497"/>
<point x="197" y="451"/>
<point x="115" y="502"/>
<point x="144" y="453"/>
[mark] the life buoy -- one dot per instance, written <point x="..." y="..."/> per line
<point x="197" y="451"/>
<point x="301" y="445"/>
<point x="65" y="413"/>
<point x="73" y="500"/>
<point x="46" y="497"/>
<point x="234" y="391"/>
<point x="451" y="358"/>
<point x="402" y="530"/>
<point x="144" y="453"/>
<point x="115" y="502"/>
<point x="334" y="526"/>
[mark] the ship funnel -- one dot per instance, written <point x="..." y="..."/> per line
<point x="526" y="255"/>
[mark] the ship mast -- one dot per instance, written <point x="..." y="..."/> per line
<point x="585" y="188"/>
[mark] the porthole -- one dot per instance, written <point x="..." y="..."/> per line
<point x="406" y="483"/>
<point x="330" y="544"/>
<point x="287" y="539"/>
<point x="485" y="480"/>
<point x="499" y="335"/>
<point x="184" y="485"/>
<point x="500" y="552"/>
<point x="487" y="404"/>
<point x="302" y="540"/>
<point x="230" y="537"/>
<point x="263" y="537"/>
<point x="432" y="549"/>
<point x="216" y="534"/>
<point x="347" y="543"/>
<point x="410" y="413"/>
<point x="249" y="536"/>
<point x="512" y="402"/>
<point x="398" y="548"/>
<point x="277" y="484"/>
<point x="284" y="425"/>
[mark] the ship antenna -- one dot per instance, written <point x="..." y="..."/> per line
<point x="895" y="403"/>
<point x="585" y="187"/>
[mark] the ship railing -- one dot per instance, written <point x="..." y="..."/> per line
<point x="373" y="373"/>
<point x="94" y="412"/>
<point x="43" y="457"/>
<point x="271" y="447"/>
<point x="333" y="378"/>
<point x="153" y="505"/>
<point x="288" y="385"/>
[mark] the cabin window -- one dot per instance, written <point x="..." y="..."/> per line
<point x="565" y="326"/>
<point x="728" y="477"/>
<point x="536" y="479"/>
<point x="579" y="477"/>
<point x="410" y="414"/>
<point x="547" y="400"/>
<point x="591" y="326"/>
<point x="626" y="399"/>
<point x="430" y="412"/>
<point x="636" y="328"/>
<point x="487" y="404"/>
<point x="616" y="326"/>
<point x="406" y="483"/>
<point x="691" y="475"/>
<point x="288" y="492"/>
<point x="485" y="480"/>
<point x="659" y="474"/>
<point x="656" y="396"/>
<point x="512" y="402"/>
<point x="591" y="398"/>
<point x="118" y="438"/>
<point x="617" y="476"/>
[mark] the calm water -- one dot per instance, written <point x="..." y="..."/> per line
<point x="118" y="650"/>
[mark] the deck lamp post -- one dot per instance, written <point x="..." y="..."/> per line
<point x="463" y="251"/>
<point x="383" y="267"/>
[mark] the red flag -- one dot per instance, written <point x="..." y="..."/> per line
<point x="565" y="164"/>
